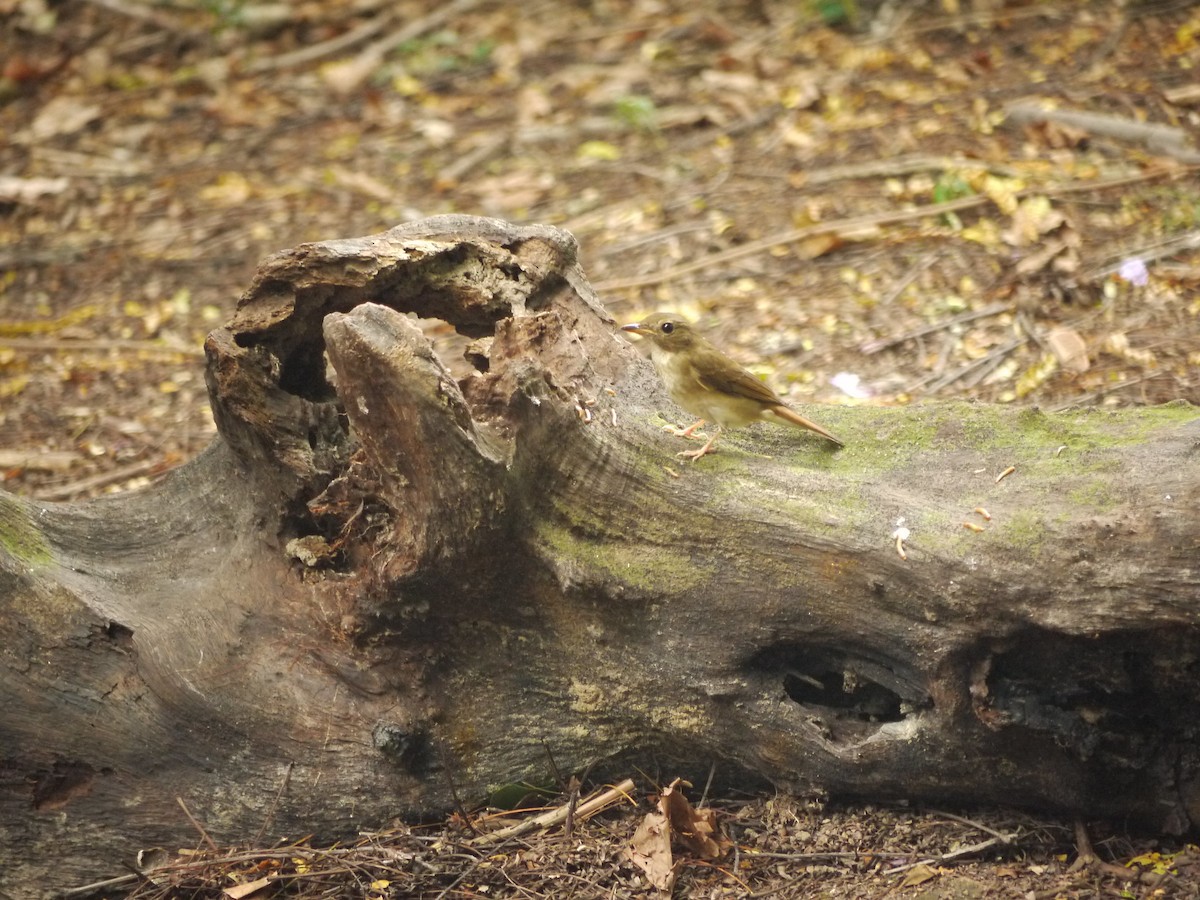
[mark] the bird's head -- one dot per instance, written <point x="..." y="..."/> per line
<point x="665" y="331"/>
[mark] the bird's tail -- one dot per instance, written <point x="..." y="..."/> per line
<point x="794" y="418"/>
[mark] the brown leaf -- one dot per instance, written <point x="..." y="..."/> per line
<point x="650" y="850"/>
<point x="695" y="828"/>
<point x="918" y="874"/>
<point x="1067" y="345"/>
<point x="245" y="890"/>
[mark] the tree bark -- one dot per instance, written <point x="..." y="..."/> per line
<point x="383" y="585"/>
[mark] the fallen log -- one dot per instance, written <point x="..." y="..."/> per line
<point x="385" y="585"/>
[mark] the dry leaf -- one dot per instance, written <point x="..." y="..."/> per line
<point x="245" y="890"/>
<point x="61" y="115"/>
<point x="27" y="190"/>
<point x="1033" y="217"/>
<point x="650" y="850"/>
<point x="695" y="828"/>
<point x="918" y="874"/>
<point x="1066" y="344"/>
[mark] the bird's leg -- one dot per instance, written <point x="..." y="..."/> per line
<point x="684" y="432"/>
<point x="694" y="455"/>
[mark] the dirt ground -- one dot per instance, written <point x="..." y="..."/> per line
<point x="877" y="210"/>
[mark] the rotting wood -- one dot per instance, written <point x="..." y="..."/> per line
<point x="505" y="577"/>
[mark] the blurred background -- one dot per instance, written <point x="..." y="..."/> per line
<point x="866" y="203"/>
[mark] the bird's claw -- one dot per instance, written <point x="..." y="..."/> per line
<point x="689" y="432"/>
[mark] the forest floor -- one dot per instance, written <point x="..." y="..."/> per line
<point x="890" y="210"/>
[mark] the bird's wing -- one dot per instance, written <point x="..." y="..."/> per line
<point x="733" y="379"/>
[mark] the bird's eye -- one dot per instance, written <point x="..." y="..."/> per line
<point x="667" y="327"/>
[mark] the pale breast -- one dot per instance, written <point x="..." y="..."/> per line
<point x="684" y="385"/>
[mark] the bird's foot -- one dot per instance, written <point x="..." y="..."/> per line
<point x="684" y="432"/>
<point x="694" y="455"/>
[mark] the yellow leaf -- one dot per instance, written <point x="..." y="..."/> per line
<point x="380" y="885"/>
<point x="230" y="189"/>
<point x="599" y="150"/>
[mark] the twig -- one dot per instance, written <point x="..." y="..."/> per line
<point x="558" y="777"/>
<point x="98" y="885"/>
<point x="38" y="345"/>
<point x="1163" y="139"/>
<point x="1147" y="253"/>
<point x="949" y="379"/>
<point x="287" y="777"/>
<point x="356" y="70"/>
<point x="753" y="248"/>
<point x="324" y="48"/>
<point x="134" y="470"/>
<point x="1084" y="399"/>
<point x="141" y="13"/>
<point x="856" y="224"/>
<point x="712" y="770"/>
<point x="995" y="309"/>
<point x="1003" y="840"/>
<point x="962" y="819"/>
<point x="212" y="845"/>
<point x="1087" y="858"/>
<point x="899" y="165"/>
<point x="572" y="803"/>
<point x="458" y="804"/>
<point x="553" y="817"/>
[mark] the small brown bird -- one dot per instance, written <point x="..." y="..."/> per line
<point x="707" y="383"/>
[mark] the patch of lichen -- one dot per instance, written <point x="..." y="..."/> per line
<point x="19" y="537"/>
<point x="655" y="568"/>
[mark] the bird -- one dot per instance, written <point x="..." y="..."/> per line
<point x="708" y="384"/>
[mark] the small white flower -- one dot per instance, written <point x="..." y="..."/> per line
<point x="1134" y="271"/>
<point x="851" y="385"/>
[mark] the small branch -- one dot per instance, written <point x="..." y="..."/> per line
<point x="99" y="885"/>
<point x="103" y="479"/>
<point x="870" y="347"/>
<point x="140" y="13"/>
<point x="1087" y="858"/>
<point x="991" y="359"/>
<point x="1147" y="253"/>
<point x="42" y="345"/>
<point x="212" y="845"/>
<point x="1004" y="840"/>
<point x="858" y="223"/>
<point x="320" y="50"/>
<point x="583" y="811"/>
<point x="1090" y="398"/>
<point x="1164" y="139"/>
<point x="287" y="777"/>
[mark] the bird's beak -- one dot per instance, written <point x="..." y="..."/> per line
<point x="635" y="328"/>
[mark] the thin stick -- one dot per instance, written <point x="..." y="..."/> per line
<point x="875" y="346"/>
<point x="458" y="804"/>
<point x="40" y="345"/>
<point x="949" y="379"/>
<point x="322" y="49"/>
<point x="712" y="770"/>
<point x="954" y="855"/>
<point x="98" y="885"/>
<point x="965" y="821"/>
<point x="1083" y="399"/>
<point x="212" y="845"/>
<point x="572" y="804"/>
<point x="858" y="223"/>
<point x="63" y="491"/>
<point x="553" y="817"/>
<point x="287" y="777"/>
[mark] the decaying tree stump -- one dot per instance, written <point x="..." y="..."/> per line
<point x="381" y="584"/>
